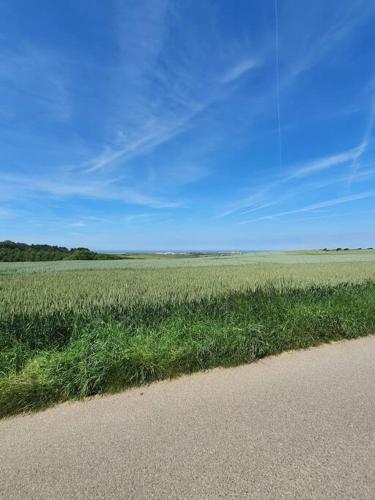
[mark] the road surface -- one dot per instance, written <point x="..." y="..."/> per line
<point x="300" y="425"/>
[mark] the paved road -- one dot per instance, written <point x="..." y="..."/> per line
<point x="301" y="425"/>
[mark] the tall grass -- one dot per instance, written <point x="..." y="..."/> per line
<point x="70" y="335"/>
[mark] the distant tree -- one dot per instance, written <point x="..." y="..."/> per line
<point x="22" y="252"/>
<point x="80" y="254"/>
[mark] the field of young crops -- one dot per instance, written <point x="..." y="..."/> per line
<point x="154" y="261"/>
<point x="69" y="332"/>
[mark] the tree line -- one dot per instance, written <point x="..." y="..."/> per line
<point x="22" y="252"/>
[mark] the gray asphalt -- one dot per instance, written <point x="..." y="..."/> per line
<point x="300" y="425"/>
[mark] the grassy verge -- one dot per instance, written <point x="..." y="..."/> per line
<point x="87" y="355"/>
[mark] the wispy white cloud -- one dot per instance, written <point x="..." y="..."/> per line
<point x="239" y="70"/>
<point x="109" y="190"/>
<point x="316" y="206"/>
<point x="142" y="217"/>
<point x="318" y="41"/>
<point x="321" y="38"/>
<point x="354" y="167"/>
<point x="260" y="199"/>
<point x="156" y="131"/>
<point x="275" y="191"/>
<point x="162" y="81"/>
<point x="257" y="208"/>
<point x="323" y="163"/>
<point x="161" y="85"/>
<point x="152" y="135"/>
<point x="339" y="215"/>
<point x="255" y="201"/>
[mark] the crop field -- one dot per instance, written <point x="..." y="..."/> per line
<point x="75" y="329"/>
<point x="154" y="261"/>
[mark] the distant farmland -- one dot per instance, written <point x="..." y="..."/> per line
<point x="154" y="261"/>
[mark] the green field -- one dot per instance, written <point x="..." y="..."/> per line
<point x="74" y="329"/>
<point x="155" y="261"/>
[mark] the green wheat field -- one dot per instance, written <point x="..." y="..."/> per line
<point x="72" y="329"/>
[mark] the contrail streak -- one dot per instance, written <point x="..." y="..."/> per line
<point x="278" y="82"/>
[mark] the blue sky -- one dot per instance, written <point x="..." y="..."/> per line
<point x="173" y="124"/>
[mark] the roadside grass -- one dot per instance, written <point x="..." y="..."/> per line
<point x="49" y="355"/>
